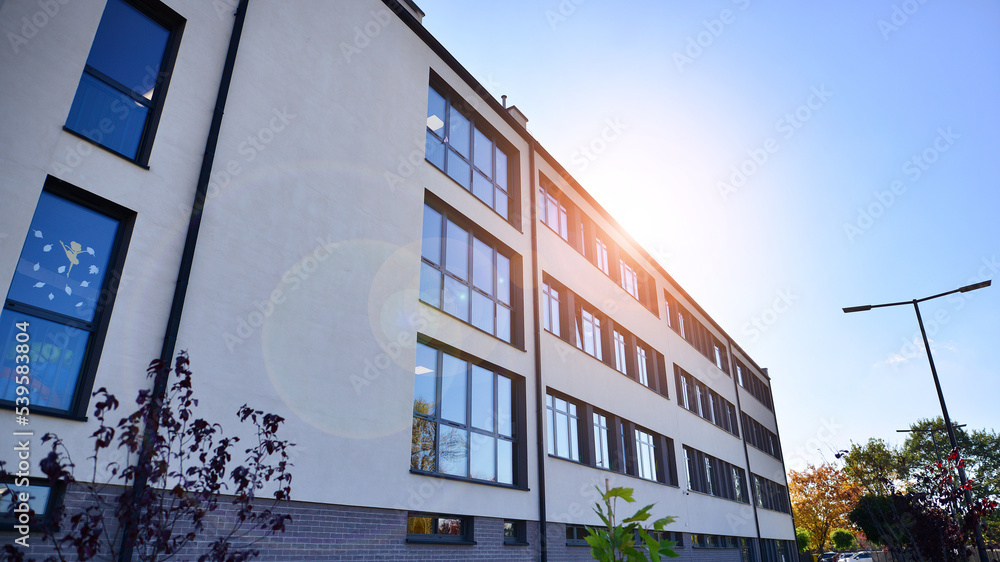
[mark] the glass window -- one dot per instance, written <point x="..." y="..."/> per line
<point x="601" y="441"/>
<point x="591" y="337"/>
<point x="602" y="256"/>
<point x="447" y="392"/>
<point x="54" y="306"/>
<point x="645" y="453"/>
<point x="620" y="362"/>
<point x="550" y="309"/>
<point x="563" y="429"/>
<point x="438" y="528"/>
<point x="629" y="280"/>
<point x="641" y="362"/>
<point x="458" y="147"/>
<point x="124" y="80"/>
<point x="472" y="283"/>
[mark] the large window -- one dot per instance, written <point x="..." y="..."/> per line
<point x="620" y="360"/>
<point x="761" y="437"/>
<point x="459" y="147"/>
<point x="56" y="312"/>
<point x="770" y="495"/>
<point x="118" y="101"/>
<point x="601" y="256"/>
<point x="466" y="276"/>
<point x="629" y="280"/>
<point x="754" y="384"/>
<point x="554" y="212"/>
<point x="563" y="428"/>
<point x="463" y="422"/>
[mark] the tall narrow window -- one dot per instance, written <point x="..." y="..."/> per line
<point x="620" y="362"/>
<point x="465" y="276"/>
<point x="60" y="298"/>
<point x="645" y="452"/>
<point x="118" y="102"/>
<point x="462" y="418"/>
<point x="602" y="256"/>
<point x="630" y="282"/>
<point x="459" y="147"/>
<point x="641" y="362"/>
<point x="550" y="309"/>
<point x="601" y="441"/>
<point x="554" y="213"/>
<point x="563" y="430"/>
<point x="591" y="334"/>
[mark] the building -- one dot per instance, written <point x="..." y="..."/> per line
<point x="464" y="343"/>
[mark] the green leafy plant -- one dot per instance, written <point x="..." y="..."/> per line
<point x="616" y="542"/>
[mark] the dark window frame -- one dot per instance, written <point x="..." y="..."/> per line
<point x="519" y="472"/>
<point x="576" y="535"/>
<point x="475" y="232"/>
<point x="465" y="537"/>
<point x="12" y="483"/>
<point x="519" y="536"/>
<point x="476" y="123"/>
<point x="98" y="327"/>
<point x="174" y="24"/>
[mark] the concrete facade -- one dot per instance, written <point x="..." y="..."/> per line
<point x="305" y="292"/>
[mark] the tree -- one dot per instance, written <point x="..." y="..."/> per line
<point x="188" y="470"/>
<point x="821" y="498"/>
<point x="843" y="539"/>
<point x="875" y="467"/>
<point x="616" y="542"/>
<point x="915" y="522"/>
<point x="803" y="538"/>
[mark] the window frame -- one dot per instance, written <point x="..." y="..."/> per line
<point x="473" y="233"/>
<point x="519" y="537"/>
<point x="465" y="537"/>
<point x="551" y="306"/>
<point x="518" y="461"/>
<point x="98" y="327"/>
<point x="476" y="123"/>
<point x="174" y="24"/>
<point x="572" y="420"/>
<point x="57" y="493"/>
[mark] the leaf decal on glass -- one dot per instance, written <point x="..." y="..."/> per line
<point x="90" y="250"/>
<point x="94" y="270"/>
<point x="79" y="304"/>
<point x="61" y="269"/>
<point x="37" y="266"/>
<point x="39" y="285"/>
<point x="47" y="248"/>
<point x="51" y="296"/>
<point x="84" y="283"/>
<point x="38" y="234"/>
<point x="68" y="290"/>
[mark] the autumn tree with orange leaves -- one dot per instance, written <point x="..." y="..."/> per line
<point x="822" y="496"/>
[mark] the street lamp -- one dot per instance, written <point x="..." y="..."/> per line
<point x="980" y="545"/>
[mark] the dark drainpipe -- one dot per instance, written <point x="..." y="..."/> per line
<point x="184" y="272"/>
<point x="746" y="453"/>
<point x="539" y="387"/>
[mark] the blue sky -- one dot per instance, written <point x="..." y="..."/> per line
<point x="783" y="160"/>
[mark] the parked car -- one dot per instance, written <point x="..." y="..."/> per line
<point x="827" y="557"/>
<point x="863" y="555"/>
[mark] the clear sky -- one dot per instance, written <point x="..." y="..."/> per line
<point x="783" y="160"/>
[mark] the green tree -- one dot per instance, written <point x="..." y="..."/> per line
<point x="616" y="542"/>
<point x="803" y="537"/>
<point x="843" y="539"/>
<point x="876" y="467"/>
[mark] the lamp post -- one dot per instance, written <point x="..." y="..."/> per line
<point x="980" y="545"/>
